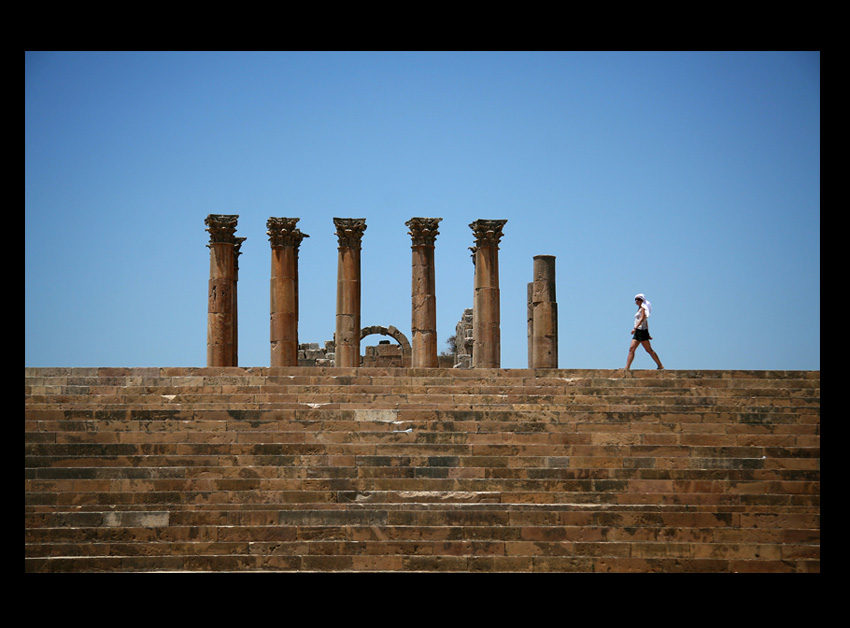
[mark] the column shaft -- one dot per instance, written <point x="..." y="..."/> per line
<point x="285" y="240"/>
<point x="529" y="310"/>
<point x="347" y="337"/>
<point x="237" y="245"/>
<point x="544" y="313"/>
<point x="423" y="232"/>
<point x="486" y="352"/>
<point x="221" y="298"/>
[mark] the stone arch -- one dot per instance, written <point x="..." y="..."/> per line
<point x="394" y="333"/>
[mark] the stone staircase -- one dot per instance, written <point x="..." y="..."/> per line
<point x="378" y="469"/>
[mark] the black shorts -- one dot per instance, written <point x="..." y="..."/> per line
<point x="641" y="335"/>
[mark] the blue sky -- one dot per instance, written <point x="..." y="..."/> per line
<point x="691" y="177"/>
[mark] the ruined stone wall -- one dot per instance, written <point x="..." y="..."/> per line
<point x="312" y="354"/>
<point x="384" y="354"/>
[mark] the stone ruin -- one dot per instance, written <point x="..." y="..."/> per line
<point x="384" y="354"/>
<point x="463" y="341"/>
<point x="478" y="333"/>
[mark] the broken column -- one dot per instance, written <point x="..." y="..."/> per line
<point x="530" y="325"/>
<point x="285" y="239"/>
<point x="543" y="325"/>
<point x="486" y="352"/>
<point x="237" y="246"/>
<point x="349" y="232"/>
<point x="221" y="302"/>
<point x="423" y="233"/>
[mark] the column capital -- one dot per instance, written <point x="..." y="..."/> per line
<point x="349" y="231"/>
<point x="221" y="228"/>
<point x="237" y="246"/>
<point x="487" y="232"/>
<point x="423" y="231"/>
<point x="282" y="232"/>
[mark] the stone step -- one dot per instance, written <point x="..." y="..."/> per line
<point x="39" y="384"/>
<point x="176" y="494"/>
<point x="70" y="469"/>
<point x="393" y="412"/>
<point x="422" y="513"/>
<point x="569" y="523"/>
<point x="163" y="480"/>
<point x="437" y="541"/>
<point x="171" y="396"/>
<point x="86" y="381"/>
<point x="659" y="559"/>
<point x="546" y="426"/>
<point x="312" y="469"/>
<point x="530" y="386"/>
<point x="696" y="446"/>
<point x="253" y="376"/>
<point x="460" y="403"/>
<point x="746" y="444"/>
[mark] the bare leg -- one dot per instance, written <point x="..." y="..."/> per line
<point x="631" y="355"/>
<point x="651" y="353"/>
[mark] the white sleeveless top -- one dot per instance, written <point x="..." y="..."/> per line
<point x="637" y="318"/>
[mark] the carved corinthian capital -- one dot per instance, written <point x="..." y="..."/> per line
<point x="487" y="232"/>
<point x="221" y="228"/>
<point x="423" y="231"/>
<point x="282" y="232"/>
<point x="349" y="231"/>
<point x="237" y="246"/>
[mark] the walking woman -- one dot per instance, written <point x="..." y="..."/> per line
<point x="640" y="332"/>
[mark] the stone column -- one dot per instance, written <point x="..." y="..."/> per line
<point x="285" y="239"/>
<point x="349" y="231"/>
<point x="237" y="251"/>
<point x="544" y="326"/>
<point x="423" y="233"/>
<point x="221" y="302"/>
<point x="486" y="352"/>
<point x="529" y="311"/>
